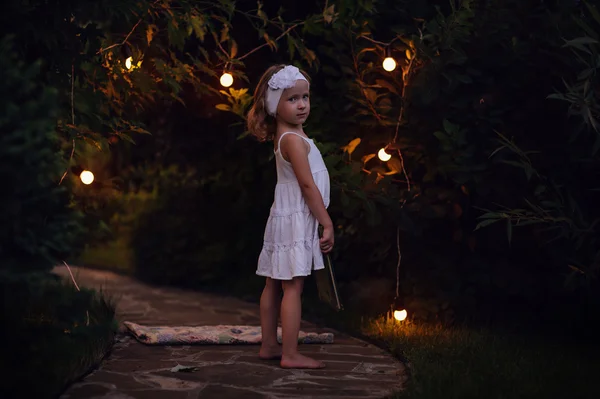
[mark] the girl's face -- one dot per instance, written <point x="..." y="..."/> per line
<point x="294" y="105"/>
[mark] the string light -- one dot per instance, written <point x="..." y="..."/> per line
<point x="383" y="155"/>
<point x="400" y="315"/>
<point x="398" y="309"/>
<point x="133" y="58"/>
<point x="127" y="53"/>
<point x="86" y="177"/>
<point x="226" y="79"/>
<point x="389" y="64"/>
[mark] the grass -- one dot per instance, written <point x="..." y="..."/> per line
<point x="467" y="363"/>
<point x="463" y="362"/>
<point x="52" y="334"/>
<point x="116" y="255"/>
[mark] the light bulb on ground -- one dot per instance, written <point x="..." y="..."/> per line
<point x="128" y="62"/>
<point x="384" y="156"/>
<point x="86" y="177"/>
<point x="400" y="315"/>
<point x="389" y="64"/>
<point x="226" y="79"/>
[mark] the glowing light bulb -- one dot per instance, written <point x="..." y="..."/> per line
<point x="400" y="314"/>
<point x="384" y="156"/>
<point x="86" y="177"/>
<point x="226" y="79"/>
<point x="389" y="64"/>
<point x="128" y="62"/>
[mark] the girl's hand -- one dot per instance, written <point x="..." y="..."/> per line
<point x="326" y="241"/>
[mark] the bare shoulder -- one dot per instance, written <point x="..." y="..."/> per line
<point x="292" y="146"/>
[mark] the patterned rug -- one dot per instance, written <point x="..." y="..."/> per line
<point x="213" y="335"/>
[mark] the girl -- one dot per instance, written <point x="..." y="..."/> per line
<point x="291" y="240"/>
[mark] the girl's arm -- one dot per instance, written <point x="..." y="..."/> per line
<point x="297" y="154"/>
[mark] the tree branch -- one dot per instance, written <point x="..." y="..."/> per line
<point x="72" y="121"/>
<point x="360" y="83"/>
<point x="129" y="34"/>
<point x="266" y="44"/>
<point x="214" y="35"/>
<point x="402" y="95"/>
<point x="377" y="41"/>
<point x="124" y="40"/>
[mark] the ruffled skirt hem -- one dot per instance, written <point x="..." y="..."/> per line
<point x="287" y="277"/>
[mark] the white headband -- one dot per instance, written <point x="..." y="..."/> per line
<point x="284" y="79"/>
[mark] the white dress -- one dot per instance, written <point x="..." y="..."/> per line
<point x="291" y="240"/>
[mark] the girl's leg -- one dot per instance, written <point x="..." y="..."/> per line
<point x="291" y="310"/>
<point x="270" y="302"/>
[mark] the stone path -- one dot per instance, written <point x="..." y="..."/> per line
<point x="355" y="369"/>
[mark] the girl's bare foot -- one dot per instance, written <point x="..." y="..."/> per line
<point x="270" y="352"/>
<point x="299" y="361"/>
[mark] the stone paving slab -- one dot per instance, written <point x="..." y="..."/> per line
<point x="355" y="369"/>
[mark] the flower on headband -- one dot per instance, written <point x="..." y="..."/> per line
<point x="286" y="78"/>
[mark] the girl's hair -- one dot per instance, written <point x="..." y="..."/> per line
<point x="260" y="124"/>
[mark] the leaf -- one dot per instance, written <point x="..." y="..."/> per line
<point x="579" y="41"/>
<point x="580" y="44"/>
<point x="270" y="42"/>
<point x="93" y="142"/>
<point x="228" y="5"/>
<point x="126" y="137"/>
<point x="329" y="13"/>
<point x="464" y="78"/>
<point x="224" y="34"/>
<point x="371" y="95"/>
<point x="395" y="165"/>
<point x="198" y="26"/>
<point x="496" y="151"/>
<point x="240" y="93"/>
<point x="184" y="369"/>
<point x="441" y="136"/>
<point x="263" y="16"/>
<point x="223" y="107"/>
<point x="485" y="223"/>
<point x="593" y="11"/>
<point x="351" y="145"/>
<point x="150" y="33"/>
<point x="368" y="157"/>
<point x="490" y="215"/>
<point x="450" y="127"/>
<point x="310" y="56"/>
<point x="234" y="49"/>
<point x="291" y="46"/>
<point x="387" y="85"/>
<point x="576" y="269"/>
<point x="175" y="35"/>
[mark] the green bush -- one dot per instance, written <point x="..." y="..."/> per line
<point x="37" y="226"/>
<point x="51" y="333"/>
<point x="466" y="72"/>
<point x="164" y="244"/>
<point x="197" y="231"/>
